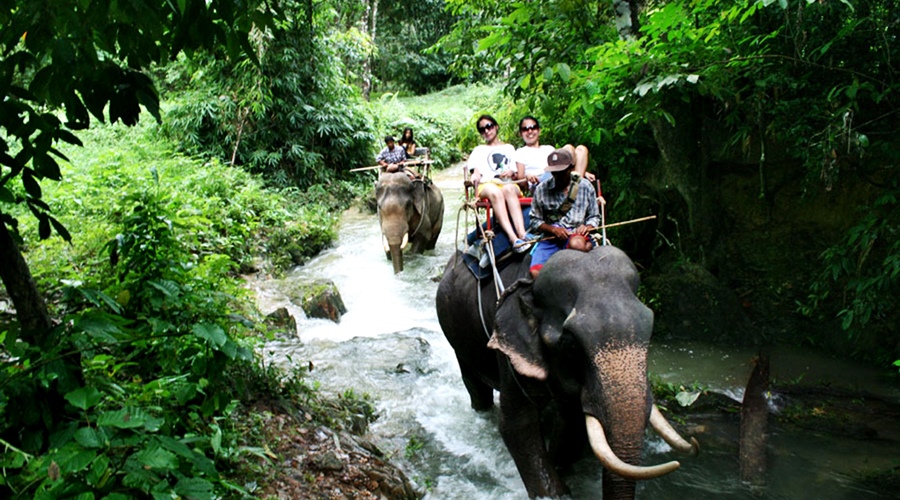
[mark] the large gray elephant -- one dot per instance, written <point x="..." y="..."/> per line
<point x="409" y="211"/>
<point x="568" y="355"/>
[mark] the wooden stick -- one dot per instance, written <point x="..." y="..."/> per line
<point x="599" y="228"/>
<point x="404" y="163"/>
<point x="625" y="222"/>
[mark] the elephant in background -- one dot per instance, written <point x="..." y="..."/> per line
<point x="409" y="211"/>
<point x="568" y="355"/>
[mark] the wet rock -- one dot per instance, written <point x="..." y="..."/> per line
<point x="328" y="461"/>
<point x="394" y="485"/>
<point x="281" y="320"/>
<point x="319" y="299"/>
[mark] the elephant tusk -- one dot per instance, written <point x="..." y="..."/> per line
<point x="670" y="435"/>
<point x="613" y="464"/>
<point x="570" y="318"/>
<point x="405" y="241"/>
<point x="385" y="244"/>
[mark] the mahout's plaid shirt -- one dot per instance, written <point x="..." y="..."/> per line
<point x="545" y="206"/>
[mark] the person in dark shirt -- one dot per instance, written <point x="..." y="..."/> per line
<point x="563" y="208"/>
<point x="392" y="156"/>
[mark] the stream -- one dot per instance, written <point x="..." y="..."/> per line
<point x="390" y="346"/>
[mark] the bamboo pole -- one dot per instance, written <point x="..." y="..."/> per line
<point x="405" y="163"/>
<point x="614" y="224"/>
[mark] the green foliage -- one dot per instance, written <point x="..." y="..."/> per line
<point x="137" y="393"/>
<point x="475" y="19"/>
<point x="87" y="60"/>
<point x="862" y="271"/>
<point x="219" y="210"/>
<point x="407" y="29"/>
<point x="812" y="81"/>
<point x="140" y="376"/>
<point x="292" y="117"/>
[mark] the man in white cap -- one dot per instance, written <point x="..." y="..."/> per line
<point x="565" y="208"/>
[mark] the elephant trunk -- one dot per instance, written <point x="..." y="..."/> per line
<point x="397" y="258"/>
<point x="619" y="395"/>
<point x="393" y="247"/>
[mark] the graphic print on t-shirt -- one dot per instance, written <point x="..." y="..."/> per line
<point x="498" y="162"/>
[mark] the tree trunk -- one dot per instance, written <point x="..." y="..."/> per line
<point x="626" y="12"/>
<point x="370" y="24"/>
<point x="682" y="169"/>
<point x="31" y="310"/>
<point x="683" y="162"/>
<point x="755" y="424"/>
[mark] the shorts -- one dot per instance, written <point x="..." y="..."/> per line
<point x="544" y="249"/>
<point x="497" y="182"/>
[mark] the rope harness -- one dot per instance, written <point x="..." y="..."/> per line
<point x="425" y="188"/>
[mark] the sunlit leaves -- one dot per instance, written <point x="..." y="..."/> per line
<point x="87" y="59"/>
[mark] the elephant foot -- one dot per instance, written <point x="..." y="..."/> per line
<point x="480" y="396"/>
<point x="481" y="406"/>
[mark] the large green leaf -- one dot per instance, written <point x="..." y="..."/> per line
<point x="89" y="437"/>
<point x="210" y="332"/>
<point x="76" y="462"/>
<point x="154" y="457"/>
<point x="84" y="397"/>
<point x="126" y="418"/>
<point x="194" y="488"/>
<point x="99" y="472"/>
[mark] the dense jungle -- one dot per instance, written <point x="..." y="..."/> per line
<point x="163" y="162"/>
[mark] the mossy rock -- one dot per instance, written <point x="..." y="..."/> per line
<point x="319" y="299"/>
<point x="281" y="321"/>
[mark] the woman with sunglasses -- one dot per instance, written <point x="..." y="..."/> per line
<point x="531" y="159"/>
<point x="493" y="174"/>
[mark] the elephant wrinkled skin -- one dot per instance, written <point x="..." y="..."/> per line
<point x="409" y="211"/>
<point x="568" y="355"/>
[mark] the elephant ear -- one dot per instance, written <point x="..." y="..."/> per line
<point x="418" y="192"/>
<point x="516" y="326"/>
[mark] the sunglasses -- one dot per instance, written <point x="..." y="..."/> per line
<point x="487" y="127"/>
<point x="529" y="128"/>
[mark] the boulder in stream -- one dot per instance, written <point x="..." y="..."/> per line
<point x="319" y="299"/>
<point x="281" y="321"/>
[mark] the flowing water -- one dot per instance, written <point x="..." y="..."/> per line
<point x="389" y="345"/>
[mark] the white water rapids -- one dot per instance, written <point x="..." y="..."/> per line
<point x="390" y="346"/>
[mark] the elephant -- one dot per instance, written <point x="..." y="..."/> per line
<point x="409" y="211"/>
<point x="567" y="352"/>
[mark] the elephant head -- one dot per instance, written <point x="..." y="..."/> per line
<point x="409" y="211"/>
<point x="578" y="337"/>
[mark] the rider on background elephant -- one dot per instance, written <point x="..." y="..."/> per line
<point x="409" y="211"/>
<point x="572" y="344"/>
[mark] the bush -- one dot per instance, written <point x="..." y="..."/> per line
<point x="154" y="351"/>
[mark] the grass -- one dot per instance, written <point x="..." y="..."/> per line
<point x="220" y="209"/>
